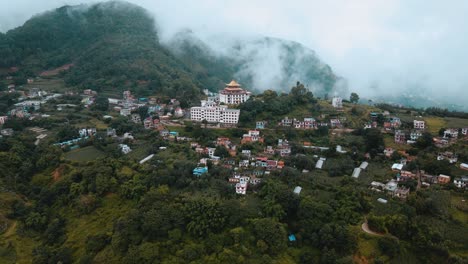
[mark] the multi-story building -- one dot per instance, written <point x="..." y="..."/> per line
<point x="400" y="137"/>
<point x="419" y="124"/>
<point x="451" y="133"/>
<point x="415" y="135"/>
<point x="214" y="113"/>
<point x="252" y="136"/>
<point x="337" y="102"/>
<point x="233" y="94"/>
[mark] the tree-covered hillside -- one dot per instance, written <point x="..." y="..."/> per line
<point x="115" y="46"/>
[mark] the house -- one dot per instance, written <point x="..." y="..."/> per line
<point x="356" y="173"/>
<point x="451" y="133"/>
<point x="3" y="119"/>
<point x="374" y="116"/>
<point x="377" y="186"/>
<point x="125" y="148"/>
<point x="284" y="151"/>
<point x="400" y="137"/>
<point x="320" y="163"/>
<point x="337" y="102"/>
<point x="397" y="167"/>
<point x="87" y="132"/>
<point x="286" y="122"/>
<point x="464" y="131"/>
<point x="421" y="125"/>
<point x="241" y="188"/>
<point x="402" y="192"/>
<point x="297" y="190"/>
<point x="210" y="152"/>
<point x="428" y="178"/>
<point x="223" y="141"/>
<point x="246" y="152"/>
<point x="388" y="152"/>
<point x="335" y="123"/>
<point x="6" y="132"/>
<point x="254" y="180"/>
<point x="136" y="118"/>
<point x="443" y="179"/>
<point x="391" y="186"/>
<point x="148" y="123"/>
<point x="464" y="166"/>
<point x="272" y="164"/>
<point x="260" y="124"/>
<point x="252" y="136"/>
<point x="415" y="135"/>
<point x="452" y="158"/>
<point x="125" y="111"/>
<point x="395" y="122"/>
<point x="198" y="171"/>
<point x="178" y="112"/>
<point x="269" y="150"/>
<point x="461" y="182"/>
<point x="128" y="135"/>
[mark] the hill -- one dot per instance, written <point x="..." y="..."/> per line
<point x="115" y="46"/>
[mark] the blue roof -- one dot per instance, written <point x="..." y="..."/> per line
<point x="200" y="170"/>
<point x="292" y="238"/>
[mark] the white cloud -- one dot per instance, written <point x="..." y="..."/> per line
<point x="393" y="45"/>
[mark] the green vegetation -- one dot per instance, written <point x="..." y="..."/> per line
<point x="84" y="154"/>
<point x="93" y="204"/>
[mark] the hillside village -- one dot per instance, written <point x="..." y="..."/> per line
<point x="249" y="165"/>
<point x="234" y="135"/>
<point x="120" y="144"/>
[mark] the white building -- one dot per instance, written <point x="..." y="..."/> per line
<point x="337" y="102"/>
<point x="233" y="94"/>
<point x="124" y="148"/>
<point x="464" y="131"/>
<point x="451" y="133"/>
<point x="241" y="186"/>
<point x="213" y="113"/>
<point x="125" y="111"/>
<point x="419" y="124"/>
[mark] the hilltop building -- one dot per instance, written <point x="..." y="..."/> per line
<point x="214" y="113"/>
<point x="233" y="94"/>
<point x="337" y="102"/>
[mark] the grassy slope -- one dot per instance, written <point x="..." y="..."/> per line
<point x="84" y="154"/>
<point x="97" y="222"/>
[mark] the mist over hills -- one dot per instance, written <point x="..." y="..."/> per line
<point x="116" y="45"/>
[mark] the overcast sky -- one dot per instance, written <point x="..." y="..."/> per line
<point x="378" y="45"/>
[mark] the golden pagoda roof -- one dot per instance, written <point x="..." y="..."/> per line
<point x="233" y="84"/>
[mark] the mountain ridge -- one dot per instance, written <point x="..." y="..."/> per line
<point x="115" y="44"/>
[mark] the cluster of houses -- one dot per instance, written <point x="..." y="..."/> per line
<point x="311" y="123"/>
<point x="249" y="168"/>
<point x="128" y="105"/>
<point x="28" y="102"/>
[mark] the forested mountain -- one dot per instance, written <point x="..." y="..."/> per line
<point x="115" y="45"/>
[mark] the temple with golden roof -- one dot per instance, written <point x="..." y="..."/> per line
<point x="233" y="94"/>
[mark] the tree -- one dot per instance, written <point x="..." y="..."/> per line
<point x="354" y="98"/>
<point x="101" y="103"/>
<point x="271" y="232"/>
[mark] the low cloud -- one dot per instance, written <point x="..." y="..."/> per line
<point x="382" y="47"/>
